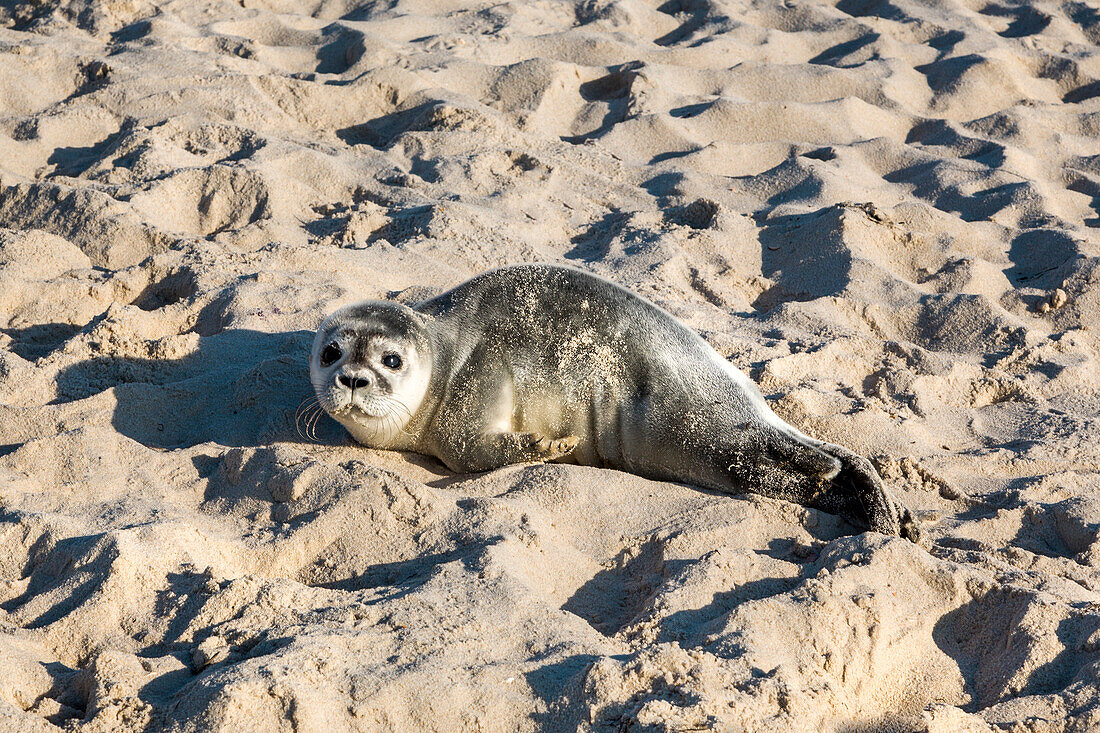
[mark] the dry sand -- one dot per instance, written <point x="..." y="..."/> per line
<point x="884" y="211"/>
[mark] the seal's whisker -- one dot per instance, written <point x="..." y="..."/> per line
<point x="312" y="425"/>
<point x="304" y="409"/>
<point x="302" y="406"/>
<point x="308" y="419"/>
<point x="394" y="402"/>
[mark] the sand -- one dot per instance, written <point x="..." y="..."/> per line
<point x="885" y="212"/>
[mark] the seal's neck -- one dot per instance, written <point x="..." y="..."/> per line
<point x="417" y="433"/>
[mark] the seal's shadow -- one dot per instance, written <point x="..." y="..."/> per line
<point x="238" y="388"/>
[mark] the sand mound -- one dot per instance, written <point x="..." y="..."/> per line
<point x="885" y="212"/>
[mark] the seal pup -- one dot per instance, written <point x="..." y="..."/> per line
<point x="550" y="363"/>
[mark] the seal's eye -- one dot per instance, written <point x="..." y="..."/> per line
<point x="391" y="361"/>
<point x="330" y="354"/>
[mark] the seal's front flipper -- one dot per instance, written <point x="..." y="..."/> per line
<point x="486" y="452"/>
<point x="553" y="448"/>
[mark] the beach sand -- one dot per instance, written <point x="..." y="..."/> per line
<point x="884" y="211"/>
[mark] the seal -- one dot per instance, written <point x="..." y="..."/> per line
<point x="550" y="363"/>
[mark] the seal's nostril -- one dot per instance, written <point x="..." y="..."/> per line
<point x="353" y="383"/>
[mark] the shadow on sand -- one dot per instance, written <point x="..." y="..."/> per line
<point x="239" y="388"/>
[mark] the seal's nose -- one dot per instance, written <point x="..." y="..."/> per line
<point x="351" y="382"/>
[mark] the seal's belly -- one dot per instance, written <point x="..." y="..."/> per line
<point x="592" y="419"/>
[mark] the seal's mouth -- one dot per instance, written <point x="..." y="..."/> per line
<point x="364" y="407"/>
<point x="370" y="409"/>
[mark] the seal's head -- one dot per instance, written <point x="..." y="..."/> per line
<point x="370" y="367"/>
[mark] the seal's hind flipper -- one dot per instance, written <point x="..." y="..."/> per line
<point x="859" y="495"/>
<point x="806" y="458"/>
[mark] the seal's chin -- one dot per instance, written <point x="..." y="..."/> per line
<point x="377" y="421"/>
